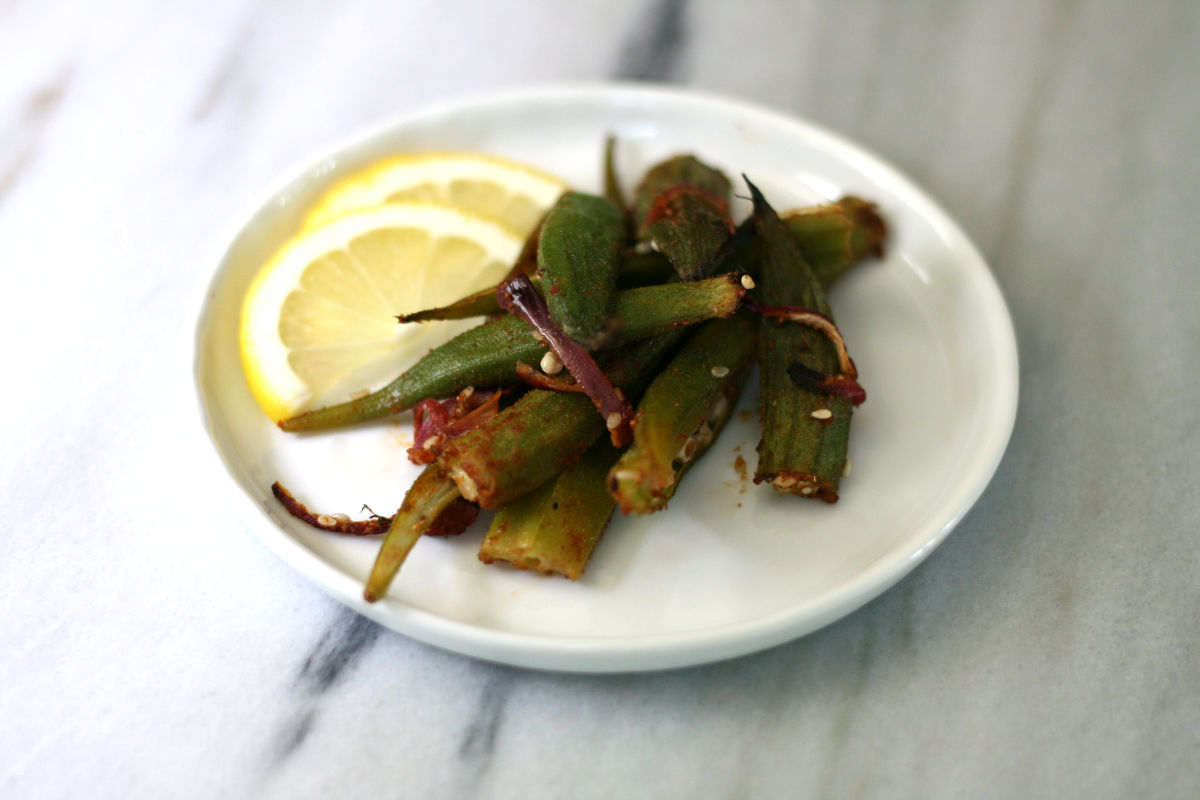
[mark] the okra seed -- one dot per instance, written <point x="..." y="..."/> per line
<point x="822" y="413"/>
<point x="326" y="521"/>
<point x="719" y="372"/>
<point x="341" y="517"/>
<point x="613" y="420"/>
<point x="785" y="481"/>
<point x="747" y="282"/>
<point x="551" y="363"/>
<point x="807" y="490"/>
<point x="466" y="484"/>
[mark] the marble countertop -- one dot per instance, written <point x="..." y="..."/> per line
<point x="151" y="646"/>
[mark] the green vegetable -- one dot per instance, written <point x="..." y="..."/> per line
<point x="487" y="355"/>
<point x="430" y="494"/>
<point x="534" y="439"/>
<point x="637" y="269"/>
<point x="554" y="528"/>
<point x="805" y="432"/>
<point x="578" y="258"/>
<point x="682" y="211"/>
<point x="682" y="412"/>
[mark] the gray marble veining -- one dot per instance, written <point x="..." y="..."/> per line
<point x="151" y="647"/>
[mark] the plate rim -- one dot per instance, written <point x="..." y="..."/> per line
<point x="630" y="653"/>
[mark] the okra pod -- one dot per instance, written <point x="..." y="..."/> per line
<point x="805" y="429"/>
<point x="835" y="236"/>
<point x="431" y="493"/>
<point x="535" y="438"/>
<point x="487" y="355"/>
<point x="578" y="258"/>
<point x="554" y="528"/>
<point x="831" y="237"/>
<point x="637" y="269"/>
<point x="682" y="412"/>
<point x="682" y="211"/>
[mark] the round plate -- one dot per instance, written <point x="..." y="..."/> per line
<point x="730" y="567"/>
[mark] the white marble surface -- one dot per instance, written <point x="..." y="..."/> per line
<point x="151" y="647"/>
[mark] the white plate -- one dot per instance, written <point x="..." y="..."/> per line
<point x="730" y="567"/>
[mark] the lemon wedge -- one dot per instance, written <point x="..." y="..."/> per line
<point x="318" y="321"/>
<point x="510" y="193"/>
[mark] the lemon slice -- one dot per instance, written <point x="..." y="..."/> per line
<point x="318" y="322"/>
<point x="507" y="192"/>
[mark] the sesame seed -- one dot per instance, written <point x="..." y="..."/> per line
<point x="360" y="394"/>
<point x="747" y="282"/>
<point x="626" y="475"/>
<point x="341" y="517"/>
<point x="849" y="466"/>
<point x="785" y="481"/>
<point x="807" y="490"/>
<point x="719" y="372"/>
<point x="822" y="413"/>
<point x="551" y="363"/>
<point x="613" y="420"/>
<point x="326" y="521"/>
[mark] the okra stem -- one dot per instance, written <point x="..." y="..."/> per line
<point x="834" y="237"/>
<point x="487" y="355"/>
<point x="612" y="185"/>
<point x="430" y="494"/>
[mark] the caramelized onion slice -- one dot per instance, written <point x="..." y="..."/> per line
<point x="435" y="421"/>
<point x="540" y="380"/>
<point x="334" y="523"/>
<point x="519" y="297"/>
<point x="843" y="384"/>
